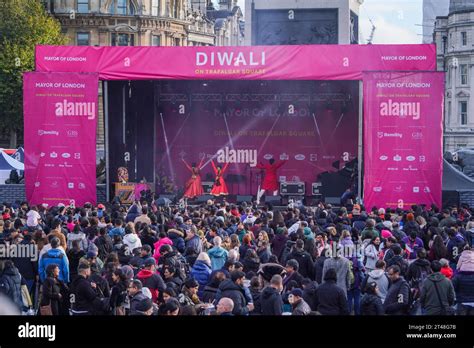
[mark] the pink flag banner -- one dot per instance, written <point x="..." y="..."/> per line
<point x="307" y="62"/>
<point x="60" y="114"/>
<point x="403" y="125"/>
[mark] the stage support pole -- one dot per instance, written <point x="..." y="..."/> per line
<point x="361" y="140"/>
<point x="105" y="90"/>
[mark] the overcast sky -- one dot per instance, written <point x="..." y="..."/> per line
<point x="394" y="20"/>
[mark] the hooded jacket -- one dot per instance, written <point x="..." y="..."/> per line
<point x="397" y="299"/>
<point x="58" y="257"/>
<point x="81" y="237"/>
<point x="236" y="293"/>
<point x="331" y="299"/>
<point x="152" y="281"/>
<point x="10" y="285"/>
<point x="466" y="261"/>
<point x="218" y="256"/>
<point x="201" y="272"/>
<point x="116" y="231"/>
<point x="132" y="241"/>
<point x="271" y="302"/>
<point x="158" y="245"/>
<point x="429" y="299"/>
<point x="309" y="294"/>
<point x="417" y="268"/>
<point x="177" y="239"/>
<point x="380" y="277"/>
<point x="305" y="262"/>
<point x="371" y="305"/>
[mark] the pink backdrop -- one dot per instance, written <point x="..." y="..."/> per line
<point x="403" y="122"/>
<point x="308" y="62"/>
<point x="60" y="113"/>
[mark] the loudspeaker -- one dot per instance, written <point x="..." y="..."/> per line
<point x="241" y="199"/>
<point x="203" y="198"/>
<point x="207" y="186"/>
<point x="315" y="188"/>
<point x="274" y="200"/>
<point x="292" y="188"/>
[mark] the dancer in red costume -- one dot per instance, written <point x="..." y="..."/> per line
<point x="219" y="188"/>
<point x="270" y="181"/>
<point x="193" y="186"/>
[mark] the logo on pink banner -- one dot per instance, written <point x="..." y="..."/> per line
<point x="60" y="113"/>
<point x="403" y="122"/>
<point x="308" y="62"/>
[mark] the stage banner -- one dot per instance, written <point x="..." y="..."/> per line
<point x="60" y="114"/>
<point x="403" y="122"/>
<point x="306" y="62"/>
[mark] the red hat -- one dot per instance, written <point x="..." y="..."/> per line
<point x="101" y="206"/>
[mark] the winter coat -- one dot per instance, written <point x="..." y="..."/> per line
<point x="201" y="272"/>
<point x="309" y="294"/>
<point x="58" y="257"/>
<point x="194" y="244"/>
<point x="278" y="244"/>
<point x="132" y="241"/>
<point x="463" y="283"/>
<point x="331" y="299"/>
<point x="209" y="293"/>
<point x="372" y="256"/>
<point x="305" y="262"/>
<point x="236" y="293"/>
<point x="50" y="295"/>
<point x="152" y="281"/>
<point x="251" y="264"/>
<point x="380" y="277"/>
<point x="371" y="305"/>
<point x="116" y="231"/>
<point x="135" y="300"/>
<point x="81" y="237"/>
<point x="132" y="213"/>
<point x="27" y="268"/>
<point x="105" y="245"/>
<point x="318" y="269"/>
<point x="429" y="299"/>
<point x="271" y="302"/>
<point x="301" y="308"/>
<point x="10" y="285"/>
<point x="158" y="245"/>
<point x="342" y="267"/>
<point x="397" y="299"/>
<point x="86" y="298"/>
<point x="466" y="261"/>
<point x="118" y="295"/>
<point x="293" y="276"/>
<point x="264" y="255"/>
<point x="74" y="257"/>
<point x="286" y="251"/>
<point x="218" y="256"/>
<point x="177" y="239"/>
<point x="417" y="269"/>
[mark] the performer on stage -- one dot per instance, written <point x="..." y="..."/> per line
<point x="219" y="188"/>
<point x="193" y="186"/>
<point x="270" y="181"/>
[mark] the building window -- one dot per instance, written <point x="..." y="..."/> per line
<point x="83" y="6"/>
<point x="156" y="40"/>
<point x="122" y="7"/>
<point x="463" y="112"/>
<point x="448" y="112"/>
<point x="154" y="7"/>
<point x="464" y="38"/>
<point x="176" y="42"/>
<point x="122" y="39"/>
<point x="461" y="146"/>
<point x="83" y="39"/>
<point x="463" y="72"/>
<point x="448" y="77"/>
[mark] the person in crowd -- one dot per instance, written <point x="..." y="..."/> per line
<point x="217" y="254"/>
<point x="380" y="278"/>
<point x="11" y="282"/>
<point x="371" y="303"/>
<point x="397" y="300"/>
<point x="271" y="301"/>
<point x="86" y="301"/>
<point x="331" y="299"/>
<point x="201" y="271"/>
<point x="437" y="293"/>
<point x="118" y="295"/>
<point x="57" y="256"/>
<point x="225" y="307"/>
<point x="151" y="279"/>
<point x="299" y="305"/>
<point x="292" y="274"/>
<point x="233" y="288"/>
<point x="305" y="261"/>
<point x="135" y="295"/>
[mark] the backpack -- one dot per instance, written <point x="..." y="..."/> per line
<point x="182" y="267"/>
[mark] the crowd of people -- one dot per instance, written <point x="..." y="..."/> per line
<point x="225" y="259"/>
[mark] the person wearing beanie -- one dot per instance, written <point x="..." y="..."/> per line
<point x="151" y="279"/>
<point x="299" y="305"/>
<point x="189" y="300"/>
<point x="371" y="303"/>
<point x="57" y="256"/>
<point x="330" y="298"/>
